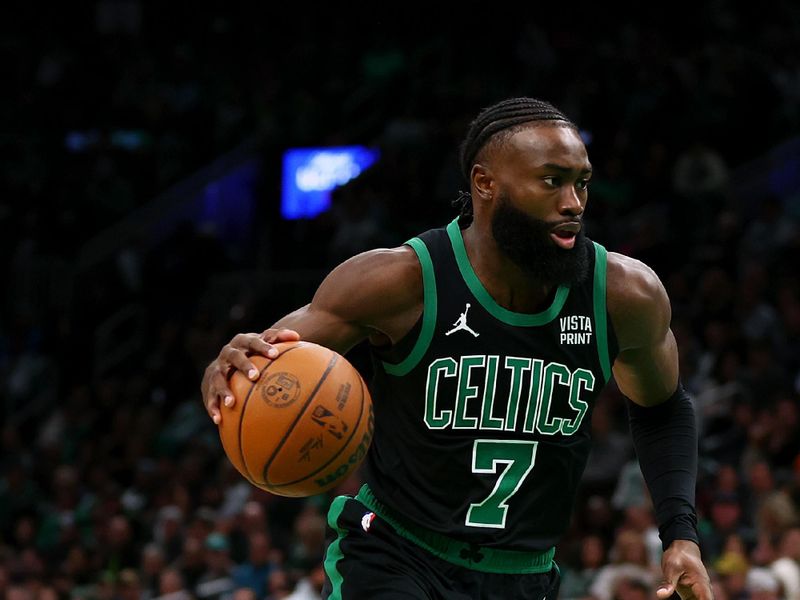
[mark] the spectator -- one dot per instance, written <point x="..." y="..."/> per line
<point x="279" y="584"/>
<point x="191" y="562"/>
<point x="732" y="569"/>
<point x="153" y="562"/>
<point x="629" y="561"/>
<point x="762" y="584"/>
<point x="725" y="519"/>
<point x="701" y="178"/>
<point x="770" y="231"/>
<point x="216" y="582"/>
<point x="253" y="517"/>
<point x="254" y="572"/>
<point x="171" y="586"/>
<point x="786" y="568"/>
<point x="611" y="449"/>
<point x="310" y="586"/>
<point x="763" y="553"/>
<point x="129" y="586"/>
<point x="308" y="548"/>
<point x="19" y="492"/>
<point x="120" y="546"/>
<point x="630" y="489"/>
<point x="777" y="514"/>
<point x="577" y="580"/>
<point x="642" y="520"/>
<point x="631" y="588"/>
<point x="168" y="531"/>
<point x="782" y="446"/>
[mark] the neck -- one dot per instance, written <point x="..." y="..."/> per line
<point x="511" y="286"/>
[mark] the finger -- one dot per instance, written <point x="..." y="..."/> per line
<point x="251" y="343"/>
<point x="271" y="336"/>
<point x="672" y="570"/>
<point x="665" y="590"/>
<point x="287" y="335"/>
<point x="256" y="345"/>
<point x="280" y="335"/>
<point x="210" y="400"/>
<point x="220" y="390"/>
<point x="212" y="408"/>
<point x="239" y="361"/>
<point x="701" y="590"/>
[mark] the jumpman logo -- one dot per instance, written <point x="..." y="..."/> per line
<point x="461" y="323"/>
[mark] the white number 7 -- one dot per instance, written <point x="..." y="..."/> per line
<point x="518" y="456"/>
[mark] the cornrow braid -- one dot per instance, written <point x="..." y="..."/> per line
<point x="501" y="116"/>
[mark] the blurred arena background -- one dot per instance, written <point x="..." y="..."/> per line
<point x="141" y="226"/>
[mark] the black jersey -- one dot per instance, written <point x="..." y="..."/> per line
<point x="482" y="414"/>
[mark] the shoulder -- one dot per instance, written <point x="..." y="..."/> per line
<point x="637" y="301"/>
<point x="631" y="282"/>
<point x="388" y="267"/>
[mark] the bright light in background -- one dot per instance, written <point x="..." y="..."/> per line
<point x="311" y="174"/>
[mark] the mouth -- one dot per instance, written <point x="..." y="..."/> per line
<point x="565" y="234"/>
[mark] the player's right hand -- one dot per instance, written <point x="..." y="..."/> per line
<point x="234" y="357"/>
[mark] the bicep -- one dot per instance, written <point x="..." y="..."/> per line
<point x="648" y="374"/>
<point x="646" y="369"/>
<point x="323" y="325"/>
<point x="361" y="297"/>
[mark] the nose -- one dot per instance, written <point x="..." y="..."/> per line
<point x="570" y="202"/>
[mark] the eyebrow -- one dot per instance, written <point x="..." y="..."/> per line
<point x="563" y="169"/>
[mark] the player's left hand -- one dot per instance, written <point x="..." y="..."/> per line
<point x="684" y="573"/>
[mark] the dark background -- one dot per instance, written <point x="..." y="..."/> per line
<point x="140" y="230"/>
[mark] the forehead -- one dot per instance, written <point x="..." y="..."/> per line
<point x="535" y="145"/>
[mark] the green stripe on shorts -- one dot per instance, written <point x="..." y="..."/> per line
<point x="334" y="554"/>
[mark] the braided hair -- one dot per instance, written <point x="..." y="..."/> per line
<point x="505" y="116"/>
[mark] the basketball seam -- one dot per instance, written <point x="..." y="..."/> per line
<point x="249" y="476"/>
<point x="339" y="452"/>
<point x="300" y="414"/>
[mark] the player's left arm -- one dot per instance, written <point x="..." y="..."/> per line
<point x="662" y="418"/>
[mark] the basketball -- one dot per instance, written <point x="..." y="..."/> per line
<point x="304" y="426"/>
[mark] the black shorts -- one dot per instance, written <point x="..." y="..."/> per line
<point x="369" y="560"/>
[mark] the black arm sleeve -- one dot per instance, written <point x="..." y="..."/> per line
<point x="665" y="439"/>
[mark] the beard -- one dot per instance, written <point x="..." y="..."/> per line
<point x="526" y="241"/>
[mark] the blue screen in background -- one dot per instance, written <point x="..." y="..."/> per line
<point x="310" y="174"/>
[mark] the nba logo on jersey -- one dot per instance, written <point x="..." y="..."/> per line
<point x="366" y="521"/>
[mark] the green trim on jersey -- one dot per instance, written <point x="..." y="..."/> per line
<point x="428" y="312"/>
<point x="470" y="556"/>
<point x="485" y="298"/>
<point x="600" y="319"/>
<point x="335" y="554"/>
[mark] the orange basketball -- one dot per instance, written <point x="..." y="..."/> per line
<point x="303" y="426"/>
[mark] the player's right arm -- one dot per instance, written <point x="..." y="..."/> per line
<point x="376" y="295"/>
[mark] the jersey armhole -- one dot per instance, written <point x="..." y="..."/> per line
<point x="428" y="313"/>
<point x="600" y="313"/>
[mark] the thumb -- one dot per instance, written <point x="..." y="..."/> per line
<point x="665" y="590"/>
<point x="282" y="335"/>
<point x="286" y="335"/>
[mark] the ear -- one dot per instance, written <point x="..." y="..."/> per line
<point x="482" y="181"/>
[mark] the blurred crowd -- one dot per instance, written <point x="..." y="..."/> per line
<point x="113" y="483"/>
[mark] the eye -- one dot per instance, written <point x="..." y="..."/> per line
<point x="582" y="184"/>
<point x="552" y="181"/>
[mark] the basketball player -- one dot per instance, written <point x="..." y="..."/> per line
<point x="492" y="338"/>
